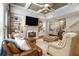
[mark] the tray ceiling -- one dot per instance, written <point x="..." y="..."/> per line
<point x="40" y="7"/>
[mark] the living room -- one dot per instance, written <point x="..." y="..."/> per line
<point x="40" y="29"/>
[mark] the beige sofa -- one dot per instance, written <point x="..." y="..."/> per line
<point x="61" y="47"/>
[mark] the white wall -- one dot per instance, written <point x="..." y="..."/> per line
<point x="1" y="20"/>
<point x="6" y="8"/>
<point x="67" y="10"/>
<point x="73" y="23"/>
<point x="75" y="27"/>
<point x="22" y="12"/>
<point x="71" y="20"/>
<point x="70" y="12"/>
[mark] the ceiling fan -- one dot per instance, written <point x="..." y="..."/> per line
<point x="47" y="7"/>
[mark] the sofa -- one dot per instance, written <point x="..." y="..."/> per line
<point x="12" y="50"/>
<point x="61" y="47"/>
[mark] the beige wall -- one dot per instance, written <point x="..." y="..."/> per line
<point x="21" y="12"/>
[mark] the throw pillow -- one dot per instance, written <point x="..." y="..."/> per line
<point x="23" y="44"/>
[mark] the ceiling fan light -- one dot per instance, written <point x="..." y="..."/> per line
<point x="46" y="5"/>
<point x="45" y="11"/>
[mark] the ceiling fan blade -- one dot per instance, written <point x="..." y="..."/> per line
<point x="41" y="10"/>
<point x="47" y="8"/>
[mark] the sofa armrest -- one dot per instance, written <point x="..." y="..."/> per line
<point x="39" y="50"/>
<point x="6" y="48"/>
<point x="27" y="53"/>
<point x="58" y="44"/>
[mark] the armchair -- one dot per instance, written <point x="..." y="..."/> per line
<point x="13" y="51"/>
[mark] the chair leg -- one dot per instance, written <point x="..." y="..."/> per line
<point x="49" y="54"/>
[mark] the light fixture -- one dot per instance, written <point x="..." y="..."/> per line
<point x="46" y="8"/>
<point x="46" y="5"/>
<point x="45" y="11"/>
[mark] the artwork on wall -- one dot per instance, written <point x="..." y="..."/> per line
<point x="40" y="26"/>
<point x="57" y="26"/>
<point x="16" y="24"/>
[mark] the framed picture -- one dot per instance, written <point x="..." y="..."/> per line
<point x="57" y="26"/>
<point x="40" y="26"/>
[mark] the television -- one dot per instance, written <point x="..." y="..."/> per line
<point x="31" y="21"/>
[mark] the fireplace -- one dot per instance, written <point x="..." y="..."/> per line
<point x="31" y="36"/>
<point x="32" y="33"/>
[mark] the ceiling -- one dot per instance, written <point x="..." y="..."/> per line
<point x="41" y="7"/>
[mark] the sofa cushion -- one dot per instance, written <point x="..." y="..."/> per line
<point x="13" y="48"/>
<point x="23" y="44"/>
<point x="51" y="38"/>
